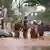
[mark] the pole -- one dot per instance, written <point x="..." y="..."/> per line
<point x="4" y="10"/>
<point x="2" y="14"/>
<point x="21" y="18"/>
<point x="19" y="10"/>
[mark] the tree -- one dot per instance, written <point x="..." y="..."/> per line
<point x="42" y="2"/>
<point x="10" y="13"/>
<point x="46" y="14"/>
<point x="46" y="3"/>
<point x="33" y="2"/>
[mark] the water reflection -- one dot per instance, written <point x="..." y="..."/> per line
<point x="33" y="48"/>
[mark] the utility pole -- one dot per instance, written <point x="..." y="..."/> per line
<point x="19" y="8"/>
<point x="20" y="14"/>
<point x="3" y="16"/>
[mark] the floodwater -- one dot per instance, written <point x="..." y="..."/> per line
<point x="23" y="44"/>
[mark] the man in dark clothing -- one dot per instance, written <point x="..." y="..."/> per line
<point x="25" y="27"/>
<point x="47" y="27"/>
<point x="41" y="29"/>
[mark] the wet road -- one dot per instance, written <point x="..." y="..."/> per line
<point x="23" y="44"/>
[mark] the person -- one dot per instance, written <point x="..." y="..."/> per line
<point x="33" y="33"/>
<point x="34" y="30"/>
<point x="47" y="27"/>
<point x="41" y="30"/>
<point x="25" y="27"/>
<point x="17" y="29"/>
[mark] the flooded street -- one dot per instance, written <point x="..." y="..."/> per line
<point x="24" y="25"/>
<point x="23" y="44"/>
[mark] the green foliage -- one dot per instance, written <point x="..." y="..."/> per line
<point x="42" y="2"/>
<point x="46" y="3"/>
<point x="34" y="2"/>
<point x="47" y="14"/>
<point x="7" y="3"/>
<point x="10" y="13"/>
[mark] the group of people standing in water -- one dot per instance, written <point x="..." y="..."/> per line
<point x="37" y="30"/>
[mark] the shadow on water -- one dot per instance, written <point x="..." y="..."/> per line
<point x="36" y="48"/>
<point x="33" y="48"/>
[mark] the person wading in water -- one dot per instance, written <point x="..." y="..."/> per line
<point x="25" y="27"/>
